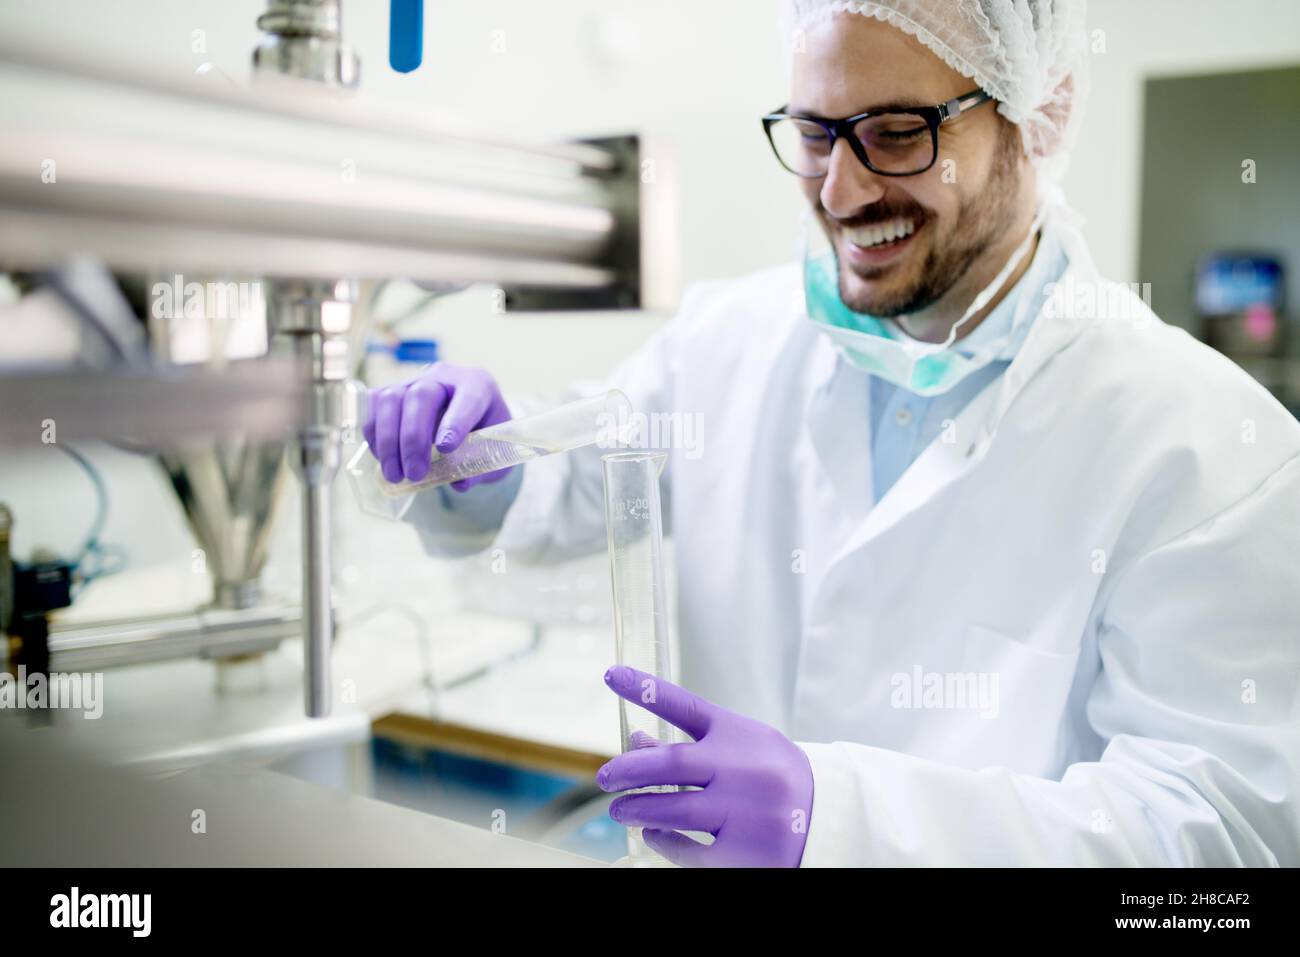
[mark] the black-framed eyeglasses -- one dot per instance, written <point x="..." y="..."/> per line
<point x="894" y="142"/>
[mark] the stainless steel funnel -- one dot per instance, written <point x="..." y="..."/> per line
<point x="230" y="494"/>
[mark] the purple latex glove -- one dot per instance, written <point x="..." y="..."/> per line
<point x="757" y="784"/>
<point x="446" y="400"/>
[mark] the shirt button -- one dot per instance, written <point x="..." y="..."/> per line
<point x="903" y="416"/>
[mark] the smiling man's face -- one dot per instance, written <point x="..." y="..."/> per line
<point x="966" y="213"/>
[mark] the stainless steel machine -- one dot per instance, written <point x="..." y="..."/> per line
<point x="308" y="188"/>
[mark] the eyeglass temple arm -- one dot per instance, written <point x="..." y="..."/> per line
<point x="960" y="104"/>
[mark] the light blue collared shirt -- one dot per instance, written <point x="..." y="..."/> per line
<point x="903" y="424"/>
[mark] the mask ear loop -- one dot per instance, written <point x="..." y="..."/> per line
<point x="1000" y="280"/>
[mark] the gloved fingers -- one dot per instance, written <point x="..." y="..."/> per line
<point x="679" y="764"/>
<point x="671" y="702"/>
<point x="471" y="394"/>
<point x="680" y="811"/>
<point x="422" y="406"/>
<point x="676" y="848"/>
<point x="388" y="418"/>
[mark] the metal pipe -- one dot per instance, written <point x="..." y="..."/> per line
<point x="174" y="180"/>
<point x="357" y="113"/>
<point x="318" y="623"/>
<point x="207" y="633"/>
<point x="312" y="318"/>
<point x="160" y="407"/>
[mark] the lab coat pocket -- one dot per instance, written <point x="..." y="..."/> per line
<point x="1024" y="701"/>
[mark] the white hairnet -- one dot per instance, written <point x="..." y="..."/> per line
<point x="1031" y="55"/>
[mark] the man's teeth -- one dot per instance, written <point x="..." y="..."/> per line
<point x="881" y="233"/>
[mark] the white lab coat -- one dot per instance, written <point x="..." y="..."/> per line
<point x="1111" y="531"/>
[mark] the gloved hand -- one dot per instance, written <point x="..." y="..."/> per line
<point x="446" y="400"/>
<point x="757" y="784"/>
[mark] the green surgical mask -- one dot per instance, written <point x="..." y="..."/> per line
<point x="869" y="344"/>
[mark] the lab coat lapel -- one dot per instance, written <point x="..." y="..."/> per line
<point x="837" y="408"/>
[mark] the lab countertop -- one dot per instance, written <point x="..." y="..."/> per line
<point x="476" y="670"/>
<point x="218" y="727"/>
<point x="70" y="812"/>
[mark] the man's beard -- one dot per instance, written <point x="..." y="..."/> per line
<point x="982" y="220"/>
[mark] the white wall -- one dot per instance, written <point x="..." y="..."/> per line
<point x="1157" y="38"/>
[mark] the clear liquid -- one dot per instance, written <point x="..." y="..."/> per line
<point x="478" y="455"/>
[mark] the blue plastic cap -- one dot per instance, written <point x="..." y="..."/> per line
<point x="416" y="350"/>
<point x="405" y="34"/>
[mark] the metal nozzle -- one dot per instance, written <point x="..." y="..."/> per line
<point x="304" y="39"/>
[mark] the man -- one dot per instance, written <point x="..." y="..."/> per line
<point x="1012" y="560"/>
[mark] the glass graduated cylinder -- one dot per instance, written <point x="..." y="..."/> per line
<point x="634" y="527"/>
<point x="598" y="420"/>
